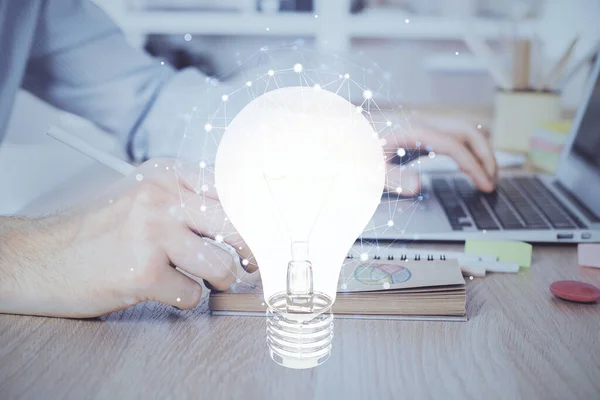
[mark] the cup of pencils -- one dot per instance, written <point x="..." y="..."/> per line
<point x="526" y="97"/>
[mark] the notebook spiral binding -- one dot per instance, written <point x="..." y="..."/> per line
<point x="406" y="257"/>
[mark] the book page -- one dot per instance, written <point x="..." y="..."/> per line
<point x="378" y="275"/>
<point x="386" y="275"/>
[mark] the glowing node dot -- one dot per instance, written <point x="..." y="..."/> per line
<point x="367" y="94"/>
<point x="388" y="123"/>
<point x="131" y="269"/>
<point x="162" y="63"/>
<point x="225" y="97"/>
<point x="344" y="286"/>
<point x="484" y="231"/>
<point x="479" y="126"/>
<point x="167" y="168"/>
<point x="359" y="109"/>
<point x="390" y="223"/>
<point x="270" y="72"/>
<point x="155" y="165"/>
<point x="245" y="262"/>
<point x="431" y="154"/>
<point x="182" y="205"/>
<point x="407" y="21"/>
<point x="456" y="53"/>
<point x="346" y="76"/>
<point x="316" y="16"/>
<point x="208" y="127"/>
<point x="202" y="208"/>
<point x="399" y="189"/>
<point x="382" y="141"/>
<point x="110" y="201"/>
<point x="239" y="248"/>
<point x="202" y="164"/>
<point x="298" y="67"/>
<point x="187" y="37"/>
<point x="204" y="188"/>
<point x="268" y="29"/>
<point x="364" y="257"/>
<point x="317" y="86"/>
<point x="470" y="277"/>
<point x="178" y="299"/>
<point x="386" y="285"/>
<point x="219" y="238"/>
<point x="249" y="83"/>
<point x="139" y="177"/>
<point x="401" y="152"/>
<point x="238" y="280"/>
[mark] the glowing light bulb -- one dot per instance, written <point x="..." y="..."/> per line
<point x="311" y="185"/>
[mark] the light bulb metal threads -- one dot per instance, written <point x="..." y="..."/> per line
<point x="299" y="340"/>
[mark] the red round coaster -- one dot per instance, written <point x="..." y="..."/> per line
<point x="580" y="292"/>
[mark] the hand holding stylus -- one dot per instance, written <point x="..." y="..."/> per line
<point x="121" y="250"/>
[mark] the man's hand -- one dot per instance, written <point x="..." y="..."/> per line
<point x="122" y="251"/>
<point x="463" y="142"/>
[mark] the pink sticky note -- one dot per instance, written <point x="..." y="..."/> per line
<point x="589" y="254"/>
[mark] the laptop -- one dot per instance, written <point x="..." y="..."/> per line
<point x="525" y="206"/>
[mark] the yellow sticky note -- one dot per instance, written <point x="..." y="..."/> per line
<point x="505" y="250"/>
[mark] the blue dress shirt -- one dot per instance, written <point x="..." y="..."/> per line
<point x="71" y="55"/>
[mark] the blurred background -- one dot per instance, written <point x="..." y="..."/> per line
<point x="419" y="43"/>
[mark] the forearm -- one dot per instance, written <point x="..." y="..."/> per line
<point x="28" y="252"/>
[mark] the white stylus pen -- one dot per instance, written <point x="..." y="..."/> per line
<point x="83" y="147"/>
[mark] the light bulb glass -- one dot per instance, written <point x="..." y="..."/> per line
<point x="299" y="174"/>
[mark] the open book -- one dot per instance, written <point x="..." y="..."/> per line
<point x="377" y="289"/>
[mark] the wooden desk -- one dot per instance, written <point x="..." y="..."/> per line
<point x="519" y="342"/>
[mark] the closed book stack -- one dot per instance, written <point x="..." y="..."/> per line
<point x="547" y="144"/>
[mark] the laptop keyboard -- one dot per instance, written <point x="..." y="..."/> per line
<point x="517" y="203"/>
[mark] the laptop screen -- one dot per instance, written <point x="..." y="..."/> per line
<point x="579" y="170"/>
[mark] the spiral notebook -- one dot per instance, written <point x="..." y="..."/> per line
<point x="419" y="287"/>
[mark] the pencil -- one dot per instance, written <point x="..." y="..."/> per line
<point x="483" y="51"/>
<point x="556" y="71"/>
<point x="521" y="55"/>
<point x="567" y="76"/>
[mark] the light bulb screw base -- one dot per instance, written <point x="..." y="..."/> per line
<point x="299" y="340"/>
